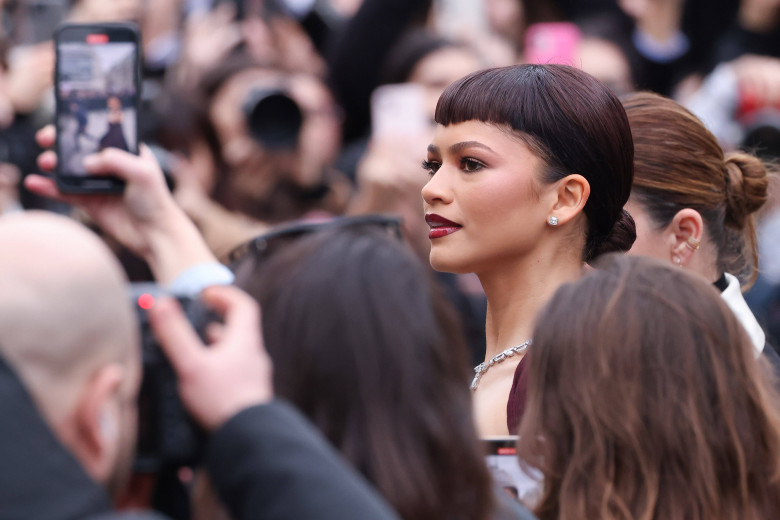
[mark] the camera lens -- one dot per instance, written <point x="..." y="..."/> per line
<point x="274" y="119"/>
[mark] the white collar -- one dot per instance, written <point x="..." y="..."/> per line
<point x="732" y="295"/>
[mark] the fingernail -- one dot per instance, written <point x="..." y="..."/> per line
<point x="91" y="161"/>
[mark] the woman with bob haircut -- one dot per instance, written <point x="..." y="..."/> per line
<point x="694" y="205"/>
<point x="646" y="401"/>
<point x="530" y="168"/>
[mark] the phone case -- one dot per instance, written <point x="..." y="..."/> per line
<point x="103" y="110"/>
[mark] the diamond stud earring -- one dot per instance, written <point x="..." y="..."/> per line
<point x="553" y="221"/>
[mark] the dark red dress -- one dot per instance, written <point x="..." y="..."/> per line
<point x="515" y="406"/>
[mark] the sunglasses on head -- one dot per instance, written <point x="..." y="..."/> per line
<point x="266" y="244"/>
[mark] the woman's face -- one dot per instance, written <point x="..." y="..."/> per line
<point x="484" y="201"/>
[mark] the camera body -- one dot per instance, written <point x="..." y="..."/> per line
<point x="167" y="435"/>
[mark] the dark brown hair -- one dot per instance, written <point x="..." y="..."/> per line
<point x="363" y="345"/>
<point x="679" y="164"/>
<point x="646" y="401"/>
<point x="572" y="122"/>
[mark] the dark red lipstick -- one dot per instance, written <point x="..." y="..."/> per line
<point x="440" y="226"/>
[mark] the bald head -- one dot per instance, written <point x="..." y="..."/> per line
<point x="64" y="310"/>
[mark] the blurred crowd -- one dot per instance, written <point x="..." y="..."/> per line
<point x="263" y="113"/>
<point x="237" y="164"/>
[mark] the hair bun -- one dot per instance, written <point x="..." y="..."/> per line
<point x="619" y="239"/>
<point x="746" y="187"/>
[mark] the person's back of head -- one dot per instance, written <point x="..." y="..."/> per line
<point x="363" y="346"/>
<point x="646" y="402"/>
<point x="679" y="164"/>
<point x="68" y="330"/>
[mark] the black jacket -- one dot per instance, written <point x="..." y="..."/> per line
<point x="267" y="462"/>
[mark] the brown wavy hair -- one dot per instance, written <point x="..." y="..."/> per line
<point x="646" y="402"/>
<point x="679" y="164"/>
<point x="369" y="350"/>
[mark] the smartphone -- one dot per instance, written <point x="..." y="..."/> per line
<point x="97" y="89"/>
<point x="556" y="42"/>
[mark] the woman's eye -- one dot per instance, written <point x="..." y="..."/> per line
<point x="431" y="166"/>
<point x="470" y="165"/>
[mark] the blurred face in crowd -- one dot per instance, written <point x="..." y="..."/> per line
<point x="606" y="62"/>
<point x="108" y="10"/>
<point x="253" y="169"/>
<point x="440" y="68"/>
<point x="484" y="183"/>
<point x="505" y="17"/>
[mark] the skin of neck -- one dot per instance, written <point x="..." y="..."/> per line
<point x="704" y="262"/>
<point x="517" y="290"/>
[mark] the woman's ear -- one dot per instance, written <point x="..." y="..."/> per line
<point x="684" y="234"/>
<point x="572" y="193"/>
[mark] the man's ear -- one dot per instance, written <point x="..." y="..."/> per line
<point x="97" y="423"/>
<point x="571" y="194"/>
<point x="684" y="234"/>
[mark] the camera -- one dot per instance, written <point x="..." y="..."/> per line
<point x="167" y="435"/>
<point x="274" y="118"/>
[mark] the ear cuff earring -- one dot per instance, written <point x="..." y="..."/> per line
<point x="553" y="221"/>
<point x="693" y="243"/>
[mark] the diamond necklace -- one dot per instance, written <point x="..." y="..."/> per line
<point x="480" y="369"/>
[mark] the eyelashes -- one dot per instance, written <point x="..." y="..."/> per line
<point x="431" y="166"/>
<point x="467" y="165"/>
<point x="470" y="165"/>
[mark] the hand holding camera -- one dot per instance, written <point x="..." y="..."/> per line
<point x="234" y="373"/>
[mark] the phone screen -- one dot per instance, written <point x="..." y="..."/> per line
<point x="508" y="475"/>
<point x="97" y="83"/>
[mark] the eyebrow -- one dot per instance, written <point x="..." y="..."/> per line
<point x="458" y="147"/>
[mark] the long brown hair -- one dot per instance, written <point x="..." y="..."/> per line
<point x="646" y="402"/>
<point x="679" y="164"/>
<point x="366" y="348"/>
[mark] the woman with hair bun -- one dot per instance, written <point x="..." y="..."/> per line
<point x="530" y="168"/>
<point x="694" y="205"/>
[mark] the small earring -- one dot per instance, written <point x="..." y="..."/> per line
<point x="693" y="243"/>
<point x="553" y="221"/>
<point x="678" y="261"/>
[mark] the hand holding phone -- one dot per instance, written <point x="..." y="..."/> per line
<point x="97" y="84"/>
<point x="144" y="219"/>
